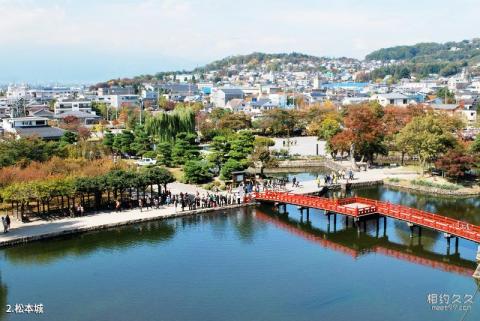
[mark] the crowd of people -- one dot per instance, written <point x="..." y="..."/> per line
<point x="186" y="201"/>
<point x="192" y="201"/>
<point x="333" y="178"/>
<point x="272" y="184"/>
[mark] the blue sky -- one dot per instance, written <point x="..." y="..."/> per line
<point x="87" y="41"/>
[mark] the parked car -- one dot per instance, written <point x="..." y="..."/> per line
<point x="146" y="162"/>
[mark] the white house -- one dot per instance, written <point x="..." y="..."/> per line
<point x="31" y="126"/>
<point x="68" y="105"/>
<point x="119" y="101"/>
<point x="220" y="96"/>
<point x="396" y="99"/>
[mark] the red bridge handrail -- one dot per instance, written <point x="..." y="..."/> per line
<point x="369" y="206"/>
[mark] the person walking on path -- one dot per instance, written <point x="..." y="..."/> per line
<point x="117" y="206"/>
<point x="140" y="204"/>
<point x="4" y="223"/>
<point x="7" y="219"/>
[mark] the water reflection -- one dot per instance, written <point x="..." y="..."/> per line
<point x="238" y="265"/>
<point x="120" y="239"/>
<point x="370" y="237"/>
<point x="3" y="299"/>
<point x="123" y="238"/>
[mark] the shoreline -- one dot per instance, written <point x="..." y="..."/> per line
<point x="149" y="217"/>
<point x="41" y="230"/>
<point x="431" y="191"/>
<point x="370" y="178"/>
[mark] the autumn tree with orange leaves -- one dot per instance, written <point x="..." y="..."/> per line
<point x="363" y="132"/>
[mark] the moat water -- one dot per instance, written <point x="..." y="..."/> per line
<point x="251" y="264"/>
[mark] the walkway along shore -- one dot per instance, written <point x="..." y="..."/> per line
<point x="41" y="230"/>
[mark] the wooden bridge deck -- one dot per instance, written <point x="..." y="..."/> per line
<point x="359" y="207"/>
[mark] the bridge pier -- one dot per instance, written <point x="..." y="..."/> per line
<point x="412" y="228"/>
<point x="410" y="225"/>
<point x="448" y="238"/>
<point x="279" y="206"/>
<point x="301" y="209"/>
<point x="384" y="226"/>
<point x="377" y="227"/>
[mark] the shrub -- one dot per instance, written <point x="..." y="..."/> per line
<point x="449" y="187"/>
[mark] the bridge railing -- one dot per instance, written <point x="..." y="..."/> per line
<point x="412" y="215"/>
<point x="334" y="205"/>
<point x="439" y="222"/>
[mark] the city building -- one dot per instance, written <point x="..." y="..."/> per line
<point x="221" y="96"/>
<point x="31" y="127"/>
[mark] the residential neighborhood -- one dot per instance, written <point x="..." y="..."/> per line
<point x="249" y="90"/>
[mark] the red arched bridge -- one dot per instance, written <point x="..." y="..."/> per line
<point x="358" y="207"/>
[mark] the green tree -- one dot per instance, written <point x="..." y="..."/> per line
<point x="264" y="141"/>
<point x="185" y="148"/>
<point x="475" y="147"/>
<point x="108" y="140"/>
<point x="219" y="149"/>
<point x="164" y="154"/>
<point x="426" y="137"/>
<point x="101" y="109"/>
<point x="277" y="122"/>
<point x="123" y="142"/>
<point x="446" y="95"/>
<point x="230" y="166"/>
<point x="141" y="143"/>
<point x="23" y="150"/>
<point x="165" y="126"/>
<point x="68" y="138"/>
<point x="158" y="176"/>
<point x="196" y="172"/>
<point x="329" y="127"/>
<point x="262" y="156"/>
<point x="242" y="145"/>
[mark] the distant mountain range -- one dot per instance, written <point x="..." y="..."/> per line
<point x="273" y="61"/>
<point x="421" y="60"/>
<point x="466" y="50"/>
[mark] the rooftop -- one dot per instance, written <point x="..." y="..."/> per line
<point x="42" y="132"/>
